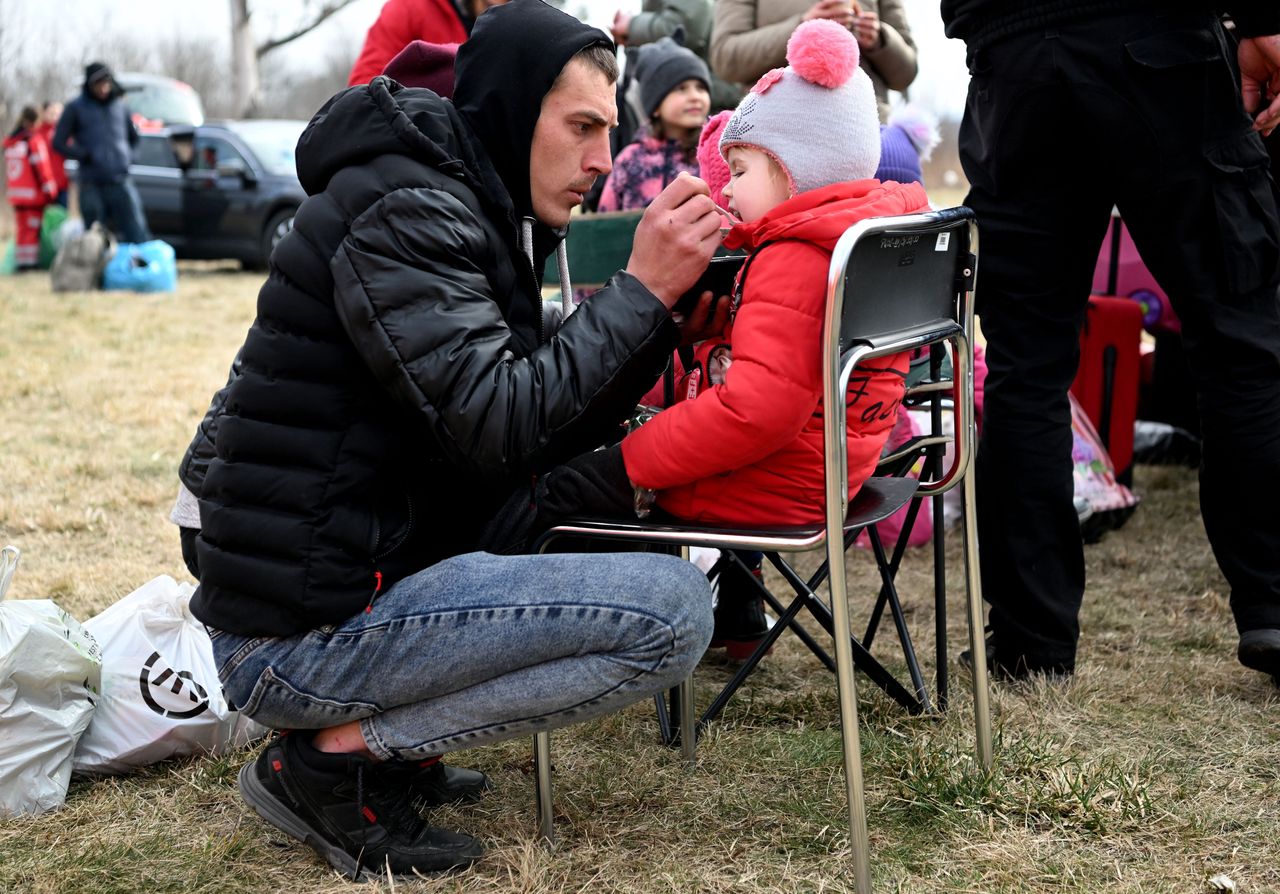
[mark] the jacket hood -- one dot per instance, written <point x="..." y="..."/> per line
<point x="515" y="54"/>
<point x="386" y="118"/>
<point x="821" y="216"/>
<point x="96" y="71"/>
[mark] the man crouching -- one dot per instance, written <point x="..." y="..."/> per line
<point x="396" y="387"/>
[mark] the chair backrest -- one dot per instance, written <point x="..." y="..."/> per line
<point x="899" y="275"/>
<point x="896" y="284"/>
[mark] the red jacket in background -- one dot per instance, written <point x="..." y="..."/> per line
<point x="400" y="23"/>
<point x="749" y="450"/>
<point x="57" y="164"/>
<point x="28" y="174"/>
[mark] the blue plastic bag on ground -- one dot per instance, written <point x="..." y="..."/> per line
<point x="142" y="267"/>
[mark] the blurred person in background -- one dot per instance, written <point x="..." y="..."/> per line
<point x="403" y="21"/>
<point x="749" y="37"/>
<point x="50" y="112"/>
<point x="97" y="130"/>
<point x="662" y="18"/>
<point x="30" y="185"/>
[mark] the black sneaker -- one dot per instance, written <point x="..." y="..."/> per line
<point x="1260" y="650"/>
<point x="740" y="619"/>
<point x="1010" y="668"/>
<point x="431" y="783"/>
<point x="361" y="821"/>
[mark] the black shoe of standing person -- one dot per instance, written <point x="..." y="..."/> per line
<point x="740" y="619"/>
<point x="1010" y="667"/>
<point x="431" y="782"/>
<point x="1260" y="650"/>
<point x="361" y="821"/>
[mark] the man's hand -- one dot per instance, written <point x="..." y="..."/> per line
<point x="676" y="238"/>
<point x="621" y="28"/>
<point x="707" y="319"/>
<point x="837" y="10"/>
<point x="1260" y="80"/>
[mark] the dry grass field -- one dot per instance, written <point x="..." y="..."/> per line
<point x="1153" y="770"/>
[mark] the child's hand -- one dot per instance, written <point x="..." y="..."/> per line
<point x="707" y="319"/>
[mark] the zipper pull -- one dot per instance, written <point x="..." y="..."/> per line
<point x="377" y="578"/>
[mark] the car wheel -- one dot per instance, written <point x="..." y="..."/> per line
<point x="278" y="226"/>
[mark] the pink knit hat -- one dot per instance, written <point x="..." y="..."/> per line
<point x="817" y="117"/>
<point x="711" y="164"/>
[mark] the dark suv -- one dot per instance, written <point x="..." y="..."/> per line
<point x="224" y="189"/>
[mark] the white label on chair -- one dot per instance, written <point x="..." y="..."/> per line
<point x="944" y="239"/>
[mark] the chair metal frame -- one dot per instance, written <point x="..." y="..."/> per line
<point x="856" y="329"/>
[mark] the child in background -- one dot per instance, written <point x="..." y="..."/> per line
<point x="906" y="142"/>
<point x="30" y="184"/>
<point x="675" y="93"/>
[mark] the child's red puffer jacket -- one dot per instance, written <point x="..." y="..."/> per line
<point x="749" y="450"/>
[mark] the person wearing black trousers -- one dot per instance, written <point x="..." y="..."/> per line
<point x="1072" y="109"/>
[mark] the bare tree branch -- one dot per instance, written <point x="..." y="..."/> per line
<point x="331" y="7"/>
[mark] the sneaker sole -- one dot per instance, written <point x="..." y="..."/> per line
<point x="278" y="814"/>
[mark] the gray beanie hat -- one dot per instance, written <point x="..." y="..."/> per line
<point x="817" y="117"/>
<point x="664" y="65"/>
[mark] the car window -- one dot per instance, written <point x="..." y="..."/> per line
<point x="154" y="151"/>
<point x="213" y="151"/>
<point x="272" y="143"/>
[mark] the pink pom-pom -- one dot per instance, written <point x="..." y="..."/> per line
<point x="823" y="52"/>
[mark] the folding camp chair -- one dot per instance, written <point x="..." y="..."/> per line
<point x="895" y="284"/>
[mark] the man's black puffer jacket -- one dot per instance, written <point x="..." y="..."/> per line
<point x="392" y="389"/>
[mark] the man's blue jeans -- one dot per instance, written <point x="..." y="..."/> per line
<point x="118" y="204"/>
<point x="480" y="648"/>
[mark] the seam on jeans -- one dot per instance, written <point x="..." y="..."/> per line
<point x="270" y="682"/>
<point x="386" y="626"/>
<point x="242" y="654"/>
<point x="375" y="742"/>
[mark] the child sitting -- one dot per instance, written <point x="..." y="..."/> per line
<point x="748" y="448"/>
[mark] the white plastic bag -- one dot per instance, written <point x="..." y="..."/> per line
<point x="49" y="679"/>
<point x="160" y="692"/>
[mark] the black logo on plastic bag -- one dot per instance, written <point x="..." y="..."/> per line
<point x="183" y="684"/>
